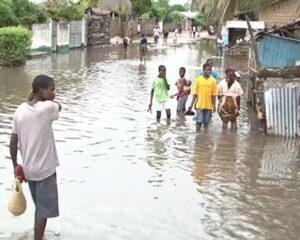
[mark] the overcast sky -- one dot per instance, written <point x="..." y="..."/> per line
<point x="182" y="2"/>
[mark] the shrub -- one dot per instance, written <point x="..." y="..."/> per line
<point x="15" y="43"/>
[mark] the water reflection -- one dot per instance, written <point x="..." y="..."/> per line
<point x="130" y="177"/>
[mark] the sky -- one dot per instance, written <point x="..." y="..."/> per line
<point x="172" y="2"/>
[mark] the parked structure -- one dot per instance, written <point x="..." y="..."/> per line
<point x="235" y="30"/>
<point x="274" y="86"/>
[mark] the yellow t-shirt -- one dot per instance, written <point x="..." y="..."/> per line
<point x="205" y="89"/>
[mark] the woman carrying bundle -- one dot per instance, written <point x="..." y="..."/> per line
<point x="229" y="94"/>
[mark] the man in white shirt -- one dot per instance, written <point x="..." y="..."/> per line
<point x="220" y="43"/>
<point x="156" y="32"/>
<point x="32" y="133"/>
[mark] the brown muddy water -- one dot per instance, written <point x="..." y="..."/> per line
<point x="125" y="176"/>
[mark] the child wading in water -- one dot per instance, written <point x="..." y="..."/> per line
<point x="160" y="87"/>
<point x="184" y="89"/>
<point x="32" y="133"/>
<point x="143" y="48"/>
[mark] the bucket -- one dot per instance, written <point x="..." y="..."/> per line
<point x="16" y="201"/>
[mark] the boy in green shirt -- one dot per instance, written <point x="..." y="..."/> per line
<point x="160" y="86"/>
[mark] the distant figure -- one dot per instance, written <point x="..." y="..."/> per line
<point x="220" y="43"/>
<point x="180" y="29"/>
<point x="143" y="47"/>
<point x="160" y="88"/>
<point x="194" y="31"/>
<point x="166" y="34"/>
<point x="126" y="41"/>
<point x="190" y="31"/>
<point x="229" y="94"/>
<point x="156" y="33"/>
<point x="239" y="40"/>
<point x="199" y="30"/>
<point x="175" y="35"/>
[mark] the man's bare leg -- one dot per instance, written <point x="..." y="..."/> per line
<point x="39" y="227"/>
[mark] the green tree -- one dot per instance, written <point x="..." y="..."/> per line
<point x="20" y="12"/>
<point x="7" y="16"/>
<point x="141" y="6"/>
<point x="176" y="16"/>
<point x="64" y="10"/>
<point x="158" y="12"/>
<point x="28" y="12"/>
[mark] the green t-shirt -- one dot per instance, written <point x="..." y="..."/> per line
<point x="160" y="90"/>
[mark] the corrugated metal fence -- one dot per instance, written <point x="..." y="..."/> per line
<point x="282" y="111"/>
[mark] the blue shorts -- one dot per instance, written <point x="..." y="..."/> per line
<point x="203" y="116"/>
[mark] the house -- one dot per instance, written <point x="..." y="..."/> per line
<point x="238" y="29"/>
<point x="274" y="86"/>
<point x="279" y="13"/>
<point x="117" y="7"/>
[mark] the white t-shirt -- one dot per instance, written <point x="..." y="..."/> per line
<point x="156" y="31"/>
<point x="220" y="42"/>
<point x="33" y="126"/>
<point x="235" y="89"/>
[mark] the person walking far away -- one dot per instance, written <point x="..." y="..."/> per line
<point x="32" y="133"/>
<point x="156" y="32"/>
<point x="220" y="43"/>
<point x="143" y="48"/>
<point x="205" y="91"/>
<point x="160" y="87"/>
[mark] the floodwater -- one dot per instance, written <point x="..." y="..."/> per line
<point x="125" y="176"/>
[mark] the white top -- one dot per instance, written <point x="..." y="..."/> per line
<point x="33" y="126"/>
<point x="235" y="89"/>
<point x="156" y="31"/>
<point x="220" y="42"/>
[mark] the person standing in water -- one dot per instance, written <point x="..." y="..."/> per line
<point x="205" y="91"/>
<point x="32" y="134"/>
<point x="143" y="48"/>
<point x="160" y="88"/>
<point x="229" y="94"/>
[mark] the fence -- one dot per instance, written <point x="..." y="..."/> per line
<point x="58" y="36"/>
<point x="282" y="111"/>
<point x="126" y="28"/>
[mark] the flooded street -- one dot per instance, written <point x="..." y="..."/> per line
<point x="125" y="176"/>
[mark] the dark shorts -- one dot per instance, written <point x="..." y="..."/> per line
<point x="45" y="196"/>
<point x="181" y="103"/>
<point x="203" y="116"/>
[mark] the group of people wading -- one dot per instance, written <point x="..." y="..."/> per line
<point x="205" y="91"/>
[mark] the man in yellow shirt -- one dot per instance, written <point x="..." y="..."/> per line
<point x="205" y="91"/>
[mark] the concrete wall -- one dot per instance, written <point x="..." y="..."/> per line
<point x="41" y="37"/>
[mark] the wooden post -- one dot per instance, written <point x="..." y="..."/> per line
<point x="253" y="45"/>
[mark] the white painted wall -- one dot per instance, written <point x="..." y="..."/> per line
<point x="41" y="35"/>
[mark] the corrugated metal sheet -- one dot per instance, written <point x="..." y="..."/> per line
<point x="282" y="111"/>
<point x="75" y="34"/>
<point x="275" y="51"/>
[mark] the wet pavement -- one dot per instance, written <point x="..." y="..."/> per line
<point x="125" y="176"/>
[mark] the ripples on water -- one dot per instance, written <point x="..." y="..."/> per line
<point x="125" y="176"/>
